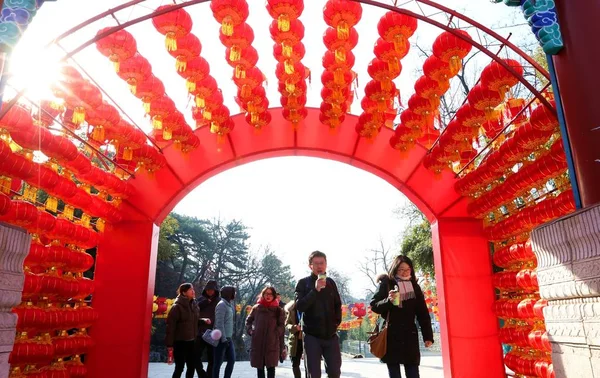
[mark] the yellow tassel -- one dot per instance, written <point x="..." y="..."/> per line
<point x="246" y="91"/>
<point x="240" y="73"/>
<point x="167" y="134"/>
<point x="30" y="194"/>
<point x="51" y="204"/>
<point x="132" y="85"/>
<point x="227" y="26"/>
<point x="180" y="63"/>
<point x="171" y="42"/>
<point x="251" y="107"/>
<point x="289" y="66"/>
<point x="343" y="30"/>
<point x="157" y="122"/>
<point x="283" y="22"/>
<point x="127" y="153"/>
<point x="78" y="115"/>
<point x="254" y="118"/>
<point x="200" y="102"/>
<point x="68" y="212"/>
<point x="115" y="60"/>
<point x="5" y="184"/>
<point x="214" y="128"/>
<point x="98" y="134"/>
<point x="340" y="55"/>
<point x="85" y="220"/>
<point x="455" y="65"/>
<point x="207" y="114"/>
<point x="235" y="53"/>
<point x="190" y="85"/>
<point x="100" y="225"/>
<point x="290" y="87"/>
<point x="286" y="50"/>
<point x="338" y="77"/>
<point x="146" y="107"/>
<point x="393" y="65"/>
<point x="489" y="112"/>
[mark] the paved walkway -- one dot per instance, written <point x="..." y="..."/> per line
<point x="431" y="367"/>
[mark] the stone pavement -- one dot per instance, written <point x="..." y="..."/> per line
<point x="431" y="367"/>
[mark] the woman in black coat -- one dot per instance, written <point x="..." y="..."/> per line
<point x="400" y="297"/>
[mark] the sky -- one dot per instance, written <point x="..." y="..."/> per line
<point x="294" y="205"/>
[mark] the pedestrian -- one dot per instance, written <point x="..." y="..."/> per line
<point x="224" y="324"/>
<point x="318" y="299"/>
<point x="292" y="324"/>
<point x="207" y="302"/>
<point x="265" y="324"/>
<point x="400" y="297"/>
<point x="182" y="328"/>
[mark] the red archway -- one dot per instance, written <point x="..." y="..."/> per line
<point x="463" y="262"/>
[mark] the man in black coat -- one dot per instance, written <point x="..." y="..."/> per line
<point x="206" y="304"/>
<point x="319" y="302"/>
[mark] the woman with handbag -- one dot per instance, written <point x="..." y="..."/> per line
<point x="224" y="325"/>
<point x="265" y="324"/>
<point x="182" y="327"/>
<point x="399" y="299"/>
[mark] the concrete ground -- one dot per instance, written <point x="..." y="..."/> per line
<point x="431" y="367"/>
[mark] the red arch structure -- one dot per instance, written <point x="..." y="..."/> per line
<point x="126" y="256"/>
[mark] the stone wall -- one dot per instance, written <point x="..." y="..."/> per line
<point x="14" y="246"/>
<point x="568" y="253"/>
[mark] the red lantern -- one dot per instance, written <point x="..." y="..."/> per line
<point x="242" y="38"/>
<point x="543" y="119"/>
<point x="436" y="69"/>
<point x="452" y="49"/>
<point x="497" y="78"/>
<point x="470" y="117"/>
<point x="229" y="13"/>
<point x="397" y="28"/>
<point x="285" y="11"/>
<point x="382" y="94"/>
<point x="117" y="46"/>
<point x="16" y="118"/>
<point x="484" y="99"/>
<point x="248" y="59"/>
<point x="420" y="105"/>
<point x="295" y="55"/>
<point x="188" y="47"/>
<point x="160" y="109"/>
<point x="340" y="46"/>
<point x="288" y="39"/>
<point x="173" y="25"/>
<point x="380" y="71"/>
<point x="431" y="89"/>
<point x="102" y="118"/>
<point x="342" y="15"/>
<point x="196" y="70"/>
<point x="294" y="116"/>
<point x="149" y="90"/>
<point x="386" y="51"/>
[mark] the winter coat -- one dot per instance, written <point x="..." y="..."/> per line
<point x="322" y="310"/>
<point x="224" y="319"/>
<point x="402" y="337"/>
<point x="182" y="321"/>
<point x="291" y="321"/>
<point x="207" y="306"/>
<point x="266" y="325"/>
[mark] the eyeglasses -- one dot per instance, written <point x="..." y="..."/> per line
<point x="404" y="270"/>
<point x="319" y="263"/>
<point x="269" y="293"/>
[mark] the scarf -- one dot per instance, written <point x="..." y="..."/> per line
<point x="406" y="290"/>
<point x="273" y="303"/>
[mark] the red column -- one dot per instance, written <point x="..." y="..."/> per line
<point x="469" y="328"/>
<point x="124" y="277"/>
<point x="577" y="71"/>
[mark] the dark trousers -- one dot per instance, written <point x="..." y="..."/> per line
<point x="224" y="350"/>
<point x="183" y="354"/>
<point x="260" y="372"/>
<point x="201" y="346"/>
<point x="297" y="359"/>
<point x="411" y="371"/>
<point x="314" y="348"/>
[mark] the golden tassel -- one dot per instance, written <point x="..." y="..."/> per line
<point x="399" y="44"/>
<point x="115" y="60"/>
<point x="283" y="22"/>
<point x="171" y="41"/>
<point x="214" y="128"/>
<point x="180" y="63"/>
<point x="98" y="134"/>
<point x="85" y="220"/>
<point x="386" y="85"/>
<point x="254" y="118"/>
<point x="146" y="104"/>
<point x="200" y="102"/>
<point x="68" y="212"/>
<point x="289" y="66"/>
<point x="227" y="26"/>
<point x="100" y="225"/>
<point x="157" y="122"/>
<point x="127" y="153"/>
<point x="51" y="204"/>
<point x="190" y="85"/>
<point x="286" y="50"/>
<point x="167" y="134"/>
<point x="78" y="115"/>
<point x="290" y="87"/>
<point x="338" y="76"/>
<point x="207" y="114"/>
<point x="240" y="73"/>
<point x="455" y="65"/>
<point x="343" y="30"/>
<point x="340" y="55"/>
<point x="235" y="53"/>
<point x="246" y="91"/>
<point x="394" y="65"/>
<point x="5" y="184"/>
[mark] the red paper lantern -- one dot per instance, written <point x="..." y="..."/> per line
<point x="340" y="46"/>
<point x="342" y="15"/>
<point x="248" y="59"/>
<point x="436" y="69"/>
<point x="484" y="99"/>
<point x="197" y="69"/>
<point x="173" y="25"/>
<point x="380" y="71"/>
<point x="452" y="49"/>
<point x="149" y="90"/>
<point x="229" y="13"/>
<point x="431" y="89"/>
<point x="285" y="11"/>
<point x="497" y="78"/>
<point x="117" y="46"/>
<point x="543" y="119"/>
<point x="160" y="108"/>
<point x="397" y="28"/>
<point x="242" y="38"/>
<point x="188" y="47"/>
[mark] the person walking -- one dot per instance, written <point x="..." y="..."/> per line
<point x="207" y="302"/>
<point x="182" y="328"/>
<point x="224" y="324"/>
<point x="400" y="297"/>
<point x="265" y="324"/>
<point x="318" y="298"/>
<point x="292" y="324"/>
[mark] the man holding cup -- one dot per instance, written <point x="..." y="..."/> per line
<point x="319" y="302"/>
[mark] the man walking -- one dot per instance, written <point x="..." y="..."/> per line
<point x="318" y="299"/>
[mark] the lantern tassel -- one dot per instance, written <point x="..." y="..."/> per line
<point x="86" y="220"/>
<point x="207" y="114"/>
<point x="455" y="65"/>
<point x="283" y="23"/>
<point x="127" y="153"/>
<point x="340" y="55"/>
<point x="200" y="101"/>
<point x="286" y="50"/>
<point x="227" y="26"/>
<point x="5" y="184"/>
<point x="146" y="105"/>
<point x="68" y="212"/>
<point x="167" y="133"/>
<point x="289" y="66"/>
<point x="190" y="85"/>
<point x="171" y="41"/>
<point x="51" y="204"/>
<point x="157" y="122"/>
<point x="78" y="115"/>
<point x="180" y="63"/>
<point x="343" y="30"/>
<point x="235" y="53"/>
<point x="240" y="72"/>
<point x="98" y="134"/>
<point x="100" y="225"/>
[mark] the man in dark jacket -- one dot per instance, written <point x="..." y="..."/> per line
<point x="206" y="304"/>
<point x="318" y="300"/>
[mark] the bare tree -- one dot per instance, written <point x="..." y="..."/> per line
<point x="375" y="262"/>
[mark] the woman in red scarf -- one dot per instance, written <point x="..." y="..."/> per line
<point x="265" y="324"/>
